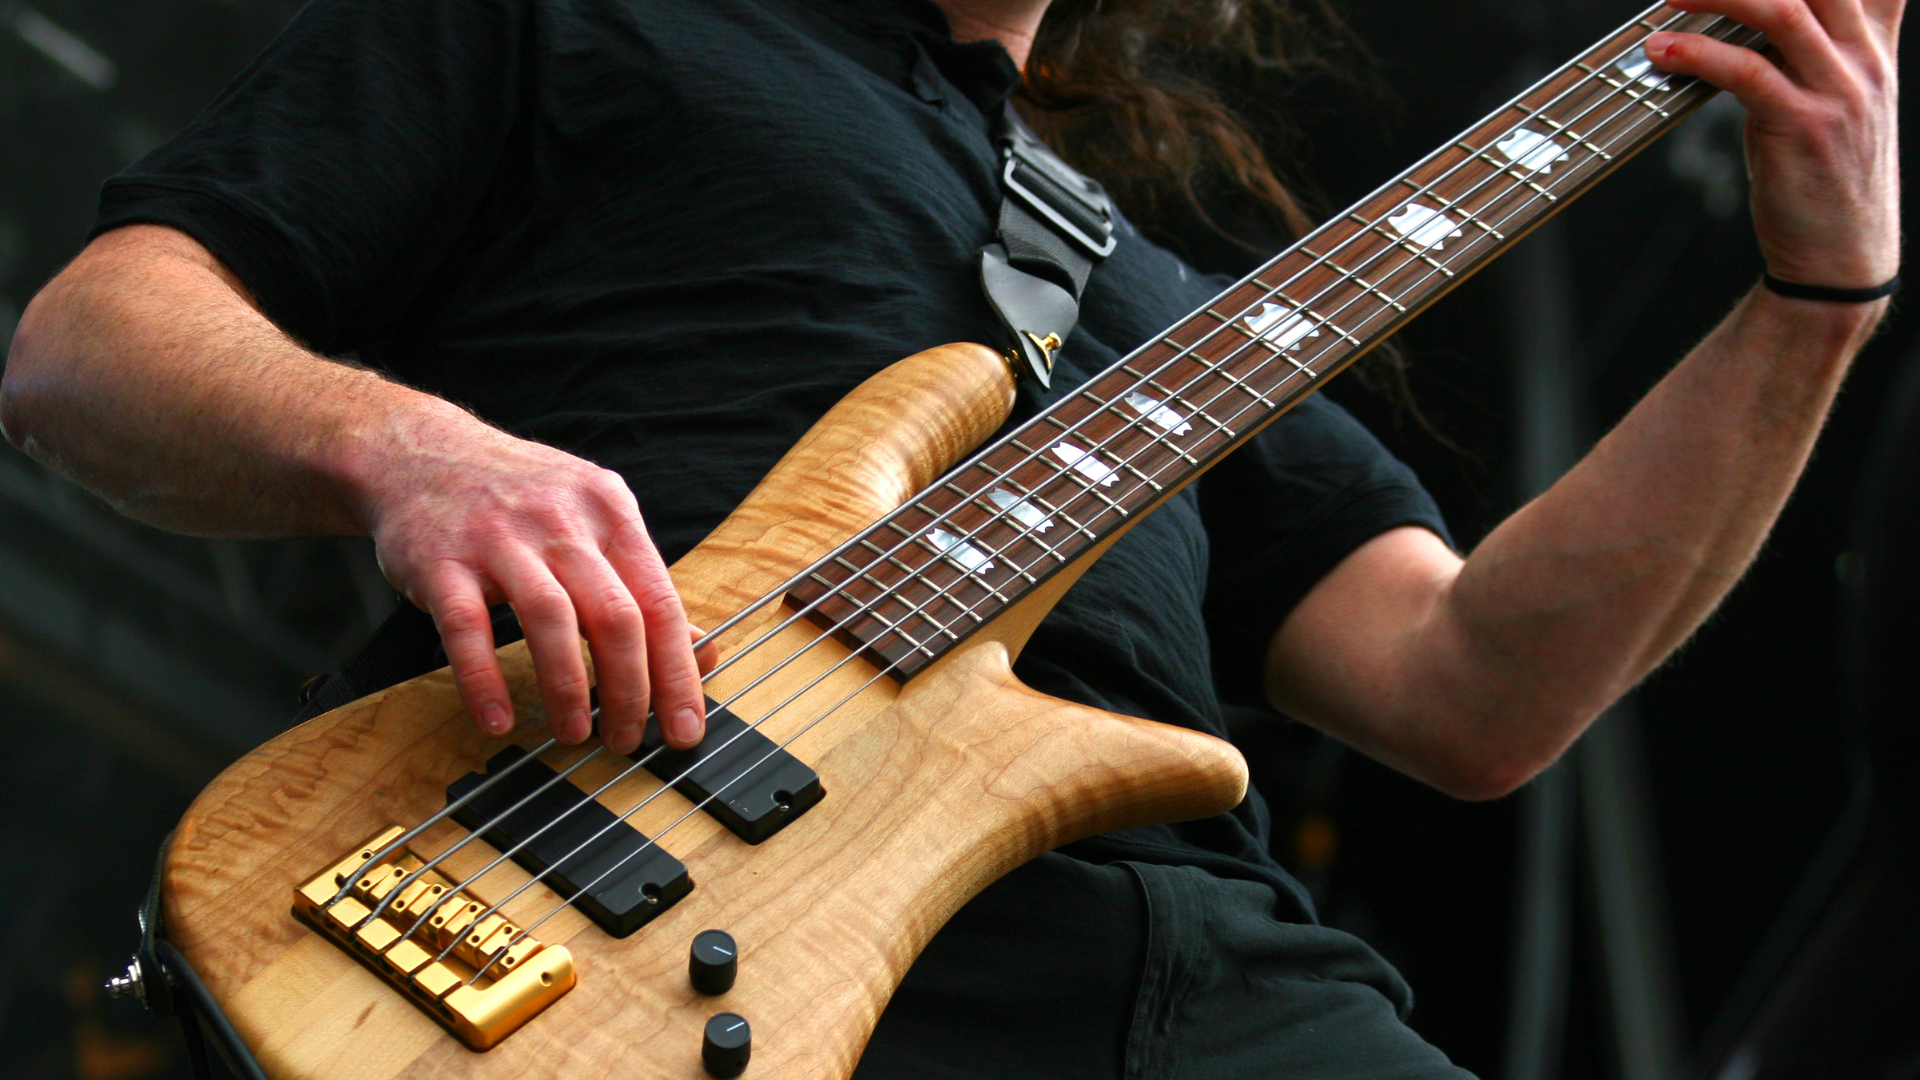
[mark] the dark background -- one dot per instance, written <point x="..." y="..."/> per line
<point x="134" y="664"/>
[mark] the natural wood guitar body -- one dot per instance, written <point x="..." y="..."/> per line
<point x="933" y="790"/>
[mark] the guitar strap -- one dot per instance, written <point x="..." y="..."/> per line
<point x="1055" y="225"/>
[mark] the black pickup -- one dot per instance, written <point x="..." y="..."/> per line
<point x="754" y="801"/>
<point x="628" y="879"/>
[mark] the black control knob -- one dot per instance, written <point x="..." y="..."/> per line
<point x="727" y="1046"/>
<point x="714" y="963"/>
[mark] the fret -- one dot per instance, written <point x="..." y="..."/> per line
<point x="1087" y="488"/>
<point x="1560" y="128"/>
<point x="1627" y="89"/>
<point x="859" y="572"/>
<point x="1143" y="477"/>
<point x="1425" y="258"/>
<point x="1550" y="196"/>
<point x="892" y="559"/>
<point x="1244" y="388"/>
<point x="1193" y="408"/>
<point x="1367" y="285"/>
<point x="1261" y="338"/>
<point x="1046" y="547"/>
<point x="901" y="635"/>
<point x="1449" y="204"/>
<point x="1055" y="511"/>
<point x="1035" y="498"/>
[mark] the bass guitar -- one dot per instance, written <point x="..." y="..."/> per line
<point x="384" y="892"/>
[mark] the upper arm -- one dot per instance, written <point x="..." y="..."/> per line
<point x="1368" y="657"/>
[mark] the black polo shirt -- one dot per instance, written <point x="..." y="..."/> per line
<point x="668" y="235"/>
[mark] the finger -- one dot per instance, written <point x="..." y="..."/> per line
<point x="616" y="631"/>
<point x="708" y="655"/>
<point x="1886" y="14"/>
<point x="679" y="701"/>
<point x="1791" y="27"/>
<point x="547" y="618"/>
<point x="453" y="596"/>
<point x="1847" y="21"/>
<point x="1760" y="85"/>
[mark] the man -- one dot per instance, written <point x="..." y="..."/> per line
<point x="663" y="237"/>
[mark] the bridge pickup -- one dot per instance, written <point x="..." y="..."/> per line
<point x="628" y="879"/>
<point x="772" y="787"/>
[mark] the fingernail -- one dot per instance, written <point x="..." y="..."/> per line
<point x="495" y="719"/>
<point x="626" y="741"/>
<point x="686" y="725"/>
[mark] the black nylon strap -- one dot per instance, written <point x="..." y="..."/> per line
<point x="1054" y="227"/>
<point x="1837" y="296"/>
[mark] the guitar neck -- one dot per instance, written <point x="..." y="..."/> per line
<point x="923" y="578"/>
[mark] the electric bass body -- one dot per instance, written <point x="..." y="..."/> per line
<point x="933" y="788"/>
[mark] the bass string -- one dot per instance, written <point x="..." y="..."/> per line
<point x="401" y="841"/>
<point x="1534" y="113"/>
<point x="409" y="879"/>
<point x="817" y="719"/>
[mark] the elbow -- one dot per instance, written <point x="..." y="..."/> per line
<point x="25" y="385"/>
<point x="1482" y="773"/>
<point x="1485" y="782"/>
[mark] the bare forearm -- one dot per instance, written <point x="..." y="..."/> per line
<point x="143" y="372"/>
<point x="1579" y="595"/>
<point x="1475" y="675"/>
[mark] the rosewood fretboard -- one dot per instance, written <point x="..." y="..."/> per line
<point x="927" y="575"/>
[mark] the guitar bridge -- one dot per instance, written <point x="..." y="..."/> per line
<point x="520" y="978"/>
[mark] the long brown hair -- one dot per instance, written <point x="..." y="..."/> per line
<point x="1124" y="90"/>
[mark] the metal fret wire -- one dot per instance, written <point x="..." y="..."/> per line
<point x="1001" y="550"/>
<point x="1087" y="488"/>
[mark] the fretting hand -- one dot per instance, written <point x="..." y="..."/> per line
<point x="1822" y="129"/>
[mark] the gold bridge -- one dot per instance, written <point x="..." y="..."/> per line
<point x="524" y="977"/>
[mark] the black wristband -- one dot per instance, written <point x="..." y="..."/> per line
<point x="1838" y="296"/>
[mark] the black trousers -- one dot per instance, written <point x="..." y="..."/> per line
<point x="1065" y="970"/>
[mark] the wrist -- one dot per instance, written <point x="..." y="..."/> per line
<point x="386" y="444"/>
<point x="1823" y="327"/>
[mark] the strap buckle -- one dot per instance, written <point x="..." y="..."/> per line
<point x="1074" y="204"/>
